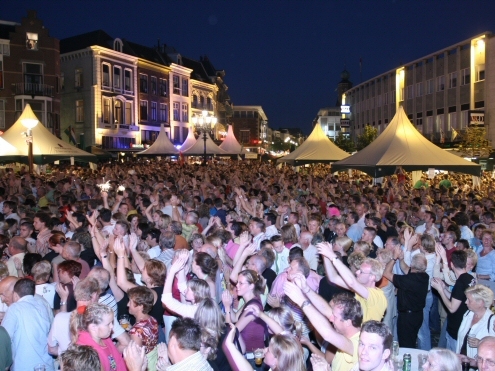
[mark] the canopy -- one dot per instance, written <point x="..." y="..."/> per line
<point x="46" y="146"/>
<point x="198" y="149"/>
<point x="400" y="144"/>
<point x="162" y="146"/>
<point x="189" y="142"/>
<point x="230" y="143"/>
<point x="316" y="148"/>
<point x="101" y="154"/>
<point x="8" y="153"/>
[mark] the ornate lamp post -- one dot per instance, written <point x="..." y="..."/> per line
<point x="204" y="124"/>
<point x="29" y="121"/>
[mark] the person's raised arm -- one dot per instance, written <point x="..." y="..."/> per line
<point x="247" y="252"/>
<point x="318" y="320"/>
<point x="105" y="261"/>
<point x="317" y="300"/>
<point x="325" y="249"/>
<point x="273" y="325"/>
<point x="236" y="359"/>
<point x="116" y="205"/>
<point x="388" y="272"/>
<point x="119" y="249"/>
<point x="147" y="212"/>
<point x="138" y="259"/>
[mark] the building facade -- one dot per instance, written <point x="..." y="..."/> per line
<point x="442" y="93"/>
<point x="250" y="126"/>
<point x="29" y="72"/>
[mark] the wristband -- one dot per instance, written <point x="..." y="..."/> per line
<point x="63" y="303"/>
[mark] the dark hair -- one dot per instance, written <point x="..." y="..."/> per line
<point x="459" y="259"/>
<point x="24" y="287"/>
<point x="276" y="238"/>
<point x="44" y="218"/>
<point x="156" y="270"/>
<point x="208" y="265"/>
<point x="354" y="216"/>
<point x="80" y="358"/>
<point x="381" y="329"/>
<point x="303" y="265"/>
<point x="153" y="232"/>
<point x="187" y="332"/>
<point x="72" y="267"/>
<point x="142" y="295"/>
<point x="461" y="219"/>
<point x="176" y="227"/>
<point x="271" y="217"/>
<point x="268" y="254"/>
<point x="351" y="308"/>
<point x="295" y="252"/>
<point x="260" y="223"/>
<point x="30" y="259"/>
<point x="105" y="215"/>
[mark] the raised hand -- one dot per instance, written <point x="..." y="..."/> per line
<point x="294" y="293"/>
<point x="326" y="249"/>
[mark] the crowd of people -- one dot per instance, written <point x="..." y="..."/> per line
<point x="243" y="266"/>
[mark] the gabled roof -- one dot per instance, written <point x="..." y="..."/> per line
<point x="144" y="52"/>
<point x="208" y="66"/>
<point x="401" y="144"/>
<point x="317" y="148"/>
<point x="199" y="73"/>
<point x="230" y="143"/>
<point x="162" y="146"/>
<point x="82" y="41"/>
<point x="198" y="149"/>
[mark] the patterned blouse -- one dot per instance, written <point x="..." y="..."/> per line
<point x="147" y="331"/>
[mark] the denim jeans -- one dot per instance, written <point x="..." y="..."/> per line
<point x="424" y="336"/>
<point x="434" y="315"/>
<point x="451" y="343"/>
<point x="442" y="342"/>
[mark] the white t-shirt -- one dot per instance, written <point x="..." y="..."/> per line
<point x="47" y="291"/>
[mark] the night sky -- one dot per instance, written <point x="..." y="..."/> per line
<point x="285" y="56"/>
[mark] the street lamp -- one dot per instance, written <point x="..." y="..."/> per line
<point x="29" y="121"/>
<point x="204" y="123"/>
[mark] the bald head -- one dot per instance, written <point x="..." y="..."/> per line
<point x="210" y="250"/>
<point x="486" y="351"/>
<point x="7" y="289"/>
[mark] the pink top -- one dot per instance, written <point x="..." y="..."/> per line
<point x="231" y="249"/>
<point x="277" y="290"/>
<point x="109" y="355"/>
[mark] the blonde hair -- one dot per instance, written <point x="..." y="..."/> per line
<point x="210" y="318"/>
<point x="92" y="314"/>
<point x="445" y="359"/>
<point x="480" y="292"/>
<point x="289" y="353"/>
<point x="344" y="242"/>
<point x="363" y="247"/>
<point x="376" y="268"/>
<point x="283" y="316"/>
<point x="41" y="271"/>
<point x="471" y="254"/>
<point x="355" y="259"/>
<point x="288" y="233"/>
<point x="4" y="270"/>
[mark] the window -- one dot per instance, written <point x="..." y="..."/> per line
<point x="202" y="102"/>
<point x="78" y="78"/>
<point x="33" y="74"/>
<point x="163" y="112"/>
<point x="1" y="74"/>
<point x="128" y="113"/>
<point x="143" y="112"/>
<point x="465" y="76"/>
<point x="153" y="85"/>
<point x="194" y="103"/>
<point x="118" y="112"/>
<point x="464" y="119"/>
<point x="410" y="92"/>
<point x="4" y="47"/>
<point x="117" y="83"/>
<point x="153" y="111"/>
<point x="419" y="118"/>
<point x="244" y="136"/>
<point x="143" y="83"/>
<point x="480" y="72"/>
<point x="176" y="85"/>
<point x="79" y="111"/>
<point x="185" y="87"/>
<point x="451" y="121"/>
<point x="209" y="107"/>
<point x="176" y="112"/>
<point x="106" y="110"/>
<point x="2" y="114"/>
<point x="452" y="80"/>
<point x="419" y="89"/>
<point x="385" y="99"/>
<point x="128" y="80"/>
<point x="163" y="87"/>
<point x="440" y="83"/>
<point x="185" y="112"/>
<point x="429" y="124"/>
<point x="105" y="75"/>
<point x="439" y="123"/>
<point x="31" y="41"/>
<point x="429" y="86"/>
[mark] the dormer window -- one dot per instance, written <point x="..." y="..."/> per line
<point x="117" y="45"/>
<point x="179" y="59"/>
<point x="31" y="41"/>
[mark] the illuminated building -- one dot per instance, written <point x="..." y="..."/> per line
<point x="442" y="92"/>
<point x="29" y="72"/>
<point x="250" y="125"/>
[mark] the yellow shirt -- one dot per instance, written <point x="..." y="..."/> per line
<point x="343" y="361"/>
<point x="374" y="307"/>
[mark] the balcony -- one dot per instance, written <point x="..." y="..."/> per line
<point x="26" y="88"/>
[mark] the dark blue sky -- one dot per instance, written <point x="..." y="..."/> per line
<point x="283" y="55"/>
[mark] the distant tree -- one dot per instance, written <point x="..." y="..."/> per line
<point x="474" y="143"/>
<point x="369" y="135"/>
<point x="279" y="145"/>
<point x="344" y="142"/>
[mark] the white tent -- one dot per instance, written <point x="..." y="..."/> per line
<point x="46" y="146"/>
<point x="230" y="143"/>
<point x="189" y="142"/>
<point x="198" y="149"/>
<point x="162" y="146"/>
<point x="8" y="153"/>
<point x="316" y="148"/>
<point x="401" y="144"/>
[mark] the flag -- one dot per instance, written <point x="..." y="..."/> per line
<point x="71" y="134"/>
<point x="455" y="133"/>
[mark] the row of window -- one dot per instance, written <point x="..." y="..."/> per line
<point x="153" y="114"/>
<point x="112" y="77"/>
<point x="157" y="86"/>
<point x="117" y="112"/>
<point x="201" y="103"/>
<point x="246" y="114"/>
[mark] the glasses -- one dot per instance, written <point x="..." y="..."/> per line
<point x="488" y="362"/>
<point x="361" y="272"/>
<point x="239" y="283"/>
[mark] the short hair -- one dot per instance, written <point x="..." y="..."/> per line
<point x="18" y="243"/>
<point x="370" y="230"/>
<point x="72" y="267"/>
<point x="141" y="295"/>
<point x="105" y="215"/>
<point x="355" y="259"/>
<point x="471" y="254"/>
<point x="259" y="261"/>
<point x="102" y="276"/>
<point x="4" y="270"/>
<point x="156" y="270"/>
<point x="295" y="252"/>
<point x="41" y="271"/>
<point x="86" y="288"/>
<point x="153" y="232"/>
<point x="259" y="223"/>
<point x="459" y="259"/>
<point x="382" y="330"/>
<point x="418" y="262"/>
<point x="351" y="308"/>
<point x="30" y="259"/>
<point x="344" y="242"/>
<point x="44" y="218"/>
<point x="354" y="215"/>
<point x="238" y="228"/>
<point x="446" y="359"/>
<point x="303" y="265"/>
<point x="271" y="217"/>
<point x="176" y="227"/>
<point x="376" y="268"/>
<point x="57" y="238"/>
<point x="481" y="292"/>
<point x="167" y="240"/>
<point x="124" y="225"/>
<point x="276" y="238"/>
<point x="80" y="358"/>
<point x="428" y="243"/>
<point x="24" y="287"/>
<point x="187" y="332"/>
<point x="268" y="254"/>
<point x="92" y="314"/>
<point x="461" y="218"/>
<point x="363" y="247"/>
<point x="73" y="248"/>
